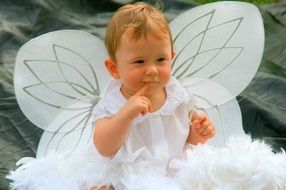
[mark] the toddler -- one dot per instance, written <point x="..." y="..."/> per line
<point x="144" y="115"/>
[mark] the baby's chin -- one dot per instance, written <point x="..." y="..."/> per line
<point x="153" y="91"/>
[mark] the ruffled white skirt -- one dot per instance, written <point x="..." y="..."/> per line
<point x="241" y="165"/>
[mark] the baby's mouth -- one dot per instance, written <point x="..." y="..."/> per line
<point x="151" y="81"/>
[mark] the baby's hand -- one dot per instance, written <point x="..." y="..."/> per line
<point x="201" y="129"/>
<point x="138" y="104"/>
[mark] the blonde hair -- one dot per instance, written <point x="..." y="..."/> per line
<point x="140" y="19"/>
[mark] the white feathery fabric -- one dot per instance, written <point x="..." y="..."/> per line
<point x="55" y="171"/>
<point x="242" y="164"/>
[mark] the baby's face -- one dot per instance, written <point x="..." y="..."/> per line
<point x="147" y="60"/>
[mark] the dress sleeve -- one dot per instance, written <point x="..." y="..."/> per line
<point x="99" y="112"/>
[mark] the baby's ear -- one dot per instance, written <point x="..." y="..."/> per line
<point x="111" y="66"/>
<point x="173" y="54"/>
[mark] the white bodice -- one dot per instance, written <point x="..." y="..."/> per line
<point x="156" y="137"/>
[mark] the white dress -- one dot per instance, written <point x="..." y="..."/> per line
<point x="155" y="138"/>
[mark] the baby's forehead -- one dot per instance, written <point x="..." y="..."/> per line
<point x="145" y="35"/>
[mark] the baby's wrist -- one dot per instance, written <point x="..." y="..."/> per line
<point x="123" y="117"/>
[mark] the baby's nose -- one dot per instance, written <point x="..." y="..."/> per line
<point x="152" y="70"/>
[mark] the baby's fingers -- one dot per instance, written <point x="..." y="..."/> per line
<point x="143" y="90"/>
<point x="196" y="124"/>
<point x="204" y="127"/>
<point x="146" y="106"/>
<point x="208" y="130"/>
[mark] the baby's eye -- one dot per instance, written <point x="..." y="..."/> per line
<point x="139" y="61"/>
<point x="161" y="59"/>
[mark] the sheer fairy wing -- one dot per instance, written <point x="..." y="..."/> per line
<point x="226" y="116"/>
<point x="221" y="41"/>
<point x="57" y="70"/>
<point x="218" y="48"/>
<point x="58" y="79"/>
<point x="78" y="133"/>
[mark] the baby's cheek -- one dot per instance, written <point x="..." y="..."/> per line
<point x="132" y="80"/>
<point x="165" y="74"/>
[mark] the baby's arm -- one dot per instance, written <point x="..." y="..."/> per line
<point x="201" y="129"/>
<point x="110" y="133"/>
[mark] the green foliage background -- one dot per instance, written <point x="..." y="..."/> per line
<point x="249" y="1"/>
